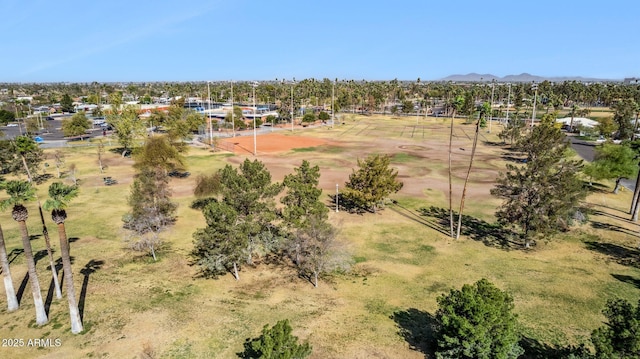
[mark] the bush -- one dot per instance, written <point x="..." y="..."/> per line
<point x="620" y="336"/>
<point x="477" y="322"/>
<point x="276" y="343"/>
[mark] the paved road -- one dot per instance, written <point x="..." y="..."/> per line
<point x="586" y="150"/>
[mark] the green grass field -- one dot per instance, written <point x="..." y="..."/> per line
<point x="403" y="260"/>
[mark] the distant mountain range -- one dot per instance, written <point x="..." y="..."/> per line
<point x="523" y="77"/>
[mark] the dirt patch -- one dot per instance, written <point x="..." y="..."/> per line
<point x="270" y="143"/>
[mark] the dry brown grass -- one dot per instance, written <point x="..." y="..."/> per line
<point x="134" y="306"/>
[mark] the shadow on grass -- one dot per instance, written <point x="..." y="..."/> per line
<point x="418" y="329"/>
<point x="620" y="254"/>
<point x="418" y="218"/>
<point x="15" y="253"/>
<point x="39" y="255"/>
<point x="627" y="279"/>
<point x="613" y="227"/>
<point x="120" y="150"/>
<point x="91" y="267"/>
<point x="52" y="289"/>
<point x="491" y="234"/>
<point x="596" y="187"/>
<point x="22" y="287"/>
<point x="597" y="212"/>
<point x="534" y="349"/>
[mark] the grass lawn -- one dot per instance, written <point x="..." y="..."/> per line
<point x="403" y="260"/>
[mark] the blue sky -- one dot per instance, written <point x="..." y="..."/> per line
<point x="196" y="40"/>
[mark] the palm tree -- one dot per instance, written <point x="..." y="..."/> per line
<point x="19" y="193"/>
<point x="12" y="300"/>
<point x="25" y="145"/>
<point x="60" y="195"/>
<point x="466" y="180"/>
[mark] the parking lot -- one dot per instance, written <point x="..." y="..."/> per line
<point x="51" y="132"/>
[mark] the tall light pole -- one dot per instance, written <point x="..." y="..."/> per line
<point x="255" y="148"/>
<point x="292" y="109"/>
<point x="209" y="114"/>
<point x="493" y="85"/>
<point x="333" y="110"/>
<point x="535" y="96"/>
<point x="233" y="119"/>
<point x="508" y="101"/>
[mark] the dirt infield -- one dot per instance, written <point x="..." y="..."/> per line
<point x="269" y="143"/>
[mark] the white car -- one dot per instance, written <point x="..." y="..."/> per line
<point x="12" y="125"/>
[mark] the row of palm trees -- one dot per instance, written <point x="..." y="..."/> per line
<point x="20" y="192"/>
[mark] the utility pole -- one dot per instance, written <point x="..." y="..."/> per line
<point x="337" y="194"/>
<point x="333" y="110"/>
<point x="292" y="109"/>
<point x="255" y="148"/>
<point x="209" y="115"/>
<point x="493" y="85"/>
<point x="508" y="101"/>
<point x="233" y="119"/>
<point x="535" y="97"/>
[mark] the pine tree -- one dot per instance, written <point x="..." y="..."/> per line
<point x="477" y="322"/>
<point x="371" y="183"/>
<point x="276" y="342"/>
<point x="620" y="337"/>
<point x="541" y="196"/>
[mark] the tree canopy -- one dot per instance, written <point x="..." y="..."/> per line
<point x="77" y="125"/>
<point x="541" y="196"/>
<point x="613" y="162"/>
<point x="276" y="342"/>
<point x="477" y="322"/>
<point x="371" y="183"/>
<point x="620" y="336"/>
<point x="239" y="224"/>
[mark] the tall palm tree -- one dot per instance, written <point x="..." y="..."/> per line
<point x="466" y="180"/>
<point x="25" y="145"/>
<point x="59" y="197"/>
<point x="19" y="193"/>
<point x="12" y="300"/>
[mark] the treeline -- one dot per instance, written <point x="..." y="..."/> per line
<point x="347" y="95"/>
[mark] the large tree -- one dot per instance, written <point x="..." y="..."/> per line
<point x="320" y="251"/>
<point x="128" y="127"/>
<point x="240" y="224"/>
<point x="613" y="162"/>
<point x="477" y="322"/>
<point x="66" y="103"/>
<point x="59" y="197"/>
<point x="26" y="147"/>
<point x="302" y="202"/>
<point x="302" y="196"/>
<point x="151" y="209"/>
<point x="276" y="342"/>
<point x="625" y="111"/>
<point x="77" y="125"/>
<point x="6" y="116"/>
<point x="15" y="153"/>
<point x="158" y="152"/>
<point x="620" y="336"/>
<point x="466" y="179"/>
<point x="540" y="196"/>
<point x="19" y="193"/>
<point x="371" y="183"/>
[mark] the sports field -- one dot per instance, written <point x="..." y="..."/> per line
<point x="403" y="260"/>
